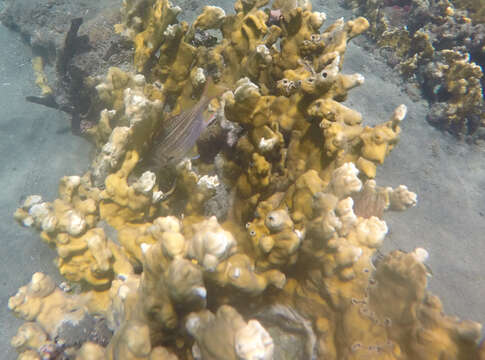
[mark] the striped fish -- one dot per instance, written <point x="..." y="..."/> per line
<point x="180" y="134"/>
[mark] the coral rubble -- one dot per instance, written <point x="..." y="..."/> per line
<point x="270" y="239"/>
<point x="441" y="49"/>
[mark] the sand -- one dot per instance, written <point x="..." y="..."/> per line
<point x="37" y="149"/>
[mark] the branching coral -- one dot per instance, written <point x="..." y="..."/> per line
<point x="241" y="340"/>
<point x="294" y="247"/>
<point x="441" y="49"/>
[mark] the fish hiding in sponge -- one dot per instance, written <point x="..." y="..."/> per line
<point x="180" y="133"/>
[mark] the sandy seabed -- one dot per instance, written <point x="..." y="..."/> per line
<point x="37" y="149"/>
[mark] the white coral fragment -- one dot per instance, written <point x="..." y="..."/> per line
<point x="98" y="246"/>
<point x="253" y="342"/>
<point x="171" y="31"/>
<point x="31" y="200"/>
<point x="263" y="54"/>
<point x="330" y="225"/>
<point x="111" y="154"/>
<point x="345" y="180"/>
<point x="139" y="80"/>
<point x="145" y="183"/>
<point x="49" y="223"/>
<point x="371" y="232"/>
<point x="134" y="101"/>
<point x="39" y="212"/>
<point x="348" y="255"/>
<point x="74" y="223"/>
<point x="210" y="244"/>
<point x="401" y="198"/>
<point x="346" y="215"/>
<point x="262" y="50"/>
<point x="144" y="247"/>
<point x="193" y="323"/>
<point x="267" y="144"/>
<point x="317" y="19"/>
<point x="168" y="223"/>
<point x="117" y="141"/>
<point x="421" y="254"/>
<point x="68" y="186"/>
<point x="208" y="182"/>
<point x="198" y="78"/>
<point x="28" y="221"/>
<point x="400" y="113"/>
<point x="245" y="89"/>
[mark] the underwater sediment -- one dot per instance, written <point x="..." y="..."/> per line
<point x="439" y="46"/>
<point x="264" y="247"/>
